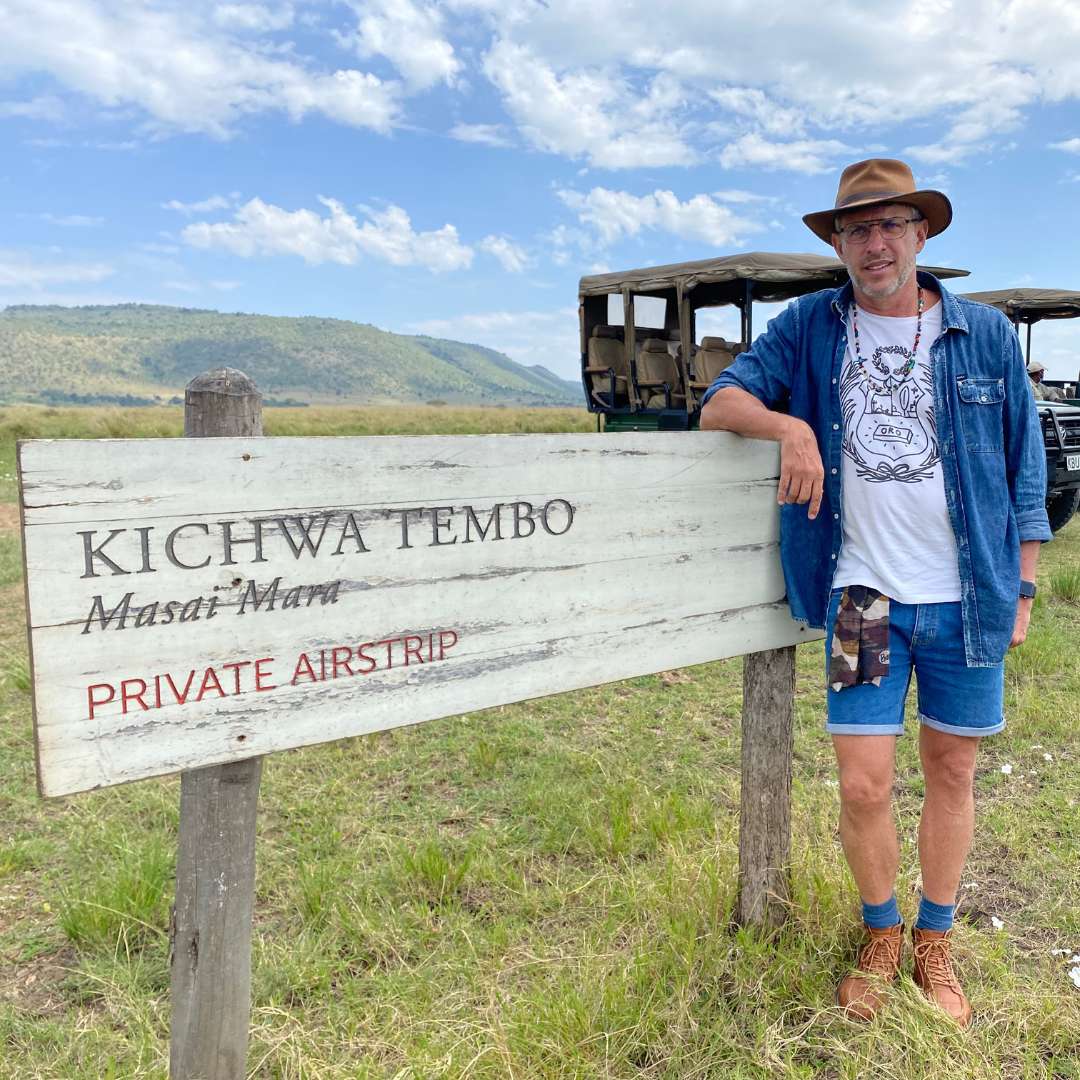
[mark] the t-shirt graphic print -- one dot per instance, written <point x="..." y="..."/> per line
<point x="897" y="536"/>
<point x="889" y="429"/>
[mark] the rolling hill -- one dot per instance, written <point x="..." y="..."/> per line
<point x="134" y="354"/>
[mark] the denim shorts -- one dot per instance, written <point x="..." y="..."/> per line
<point x="927" y="639"/>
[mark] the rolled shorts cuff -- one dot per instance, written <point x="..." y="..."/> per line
<point x="865" y="729"/>
<point x="953" y="729"/>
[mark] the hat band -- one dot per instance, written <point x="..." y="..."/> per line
<point x="865" y="196"/>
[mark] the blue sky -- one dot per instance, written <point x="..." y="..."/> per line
<point x="454" y="167"/>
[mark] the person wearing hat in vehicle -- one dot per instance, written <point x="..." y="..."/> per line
<point x="1042" y="392"/>
<point x="912" y="486"/>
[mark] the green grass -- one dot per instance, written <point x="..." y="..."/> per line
<point x="11" y="568"/>
<point x="40" y="422"/>
<point x="545" y="891"/>
<point x="1065" y="583"/>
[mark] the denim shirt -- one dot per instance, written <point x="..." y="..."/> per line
<point x="992" y="452"/>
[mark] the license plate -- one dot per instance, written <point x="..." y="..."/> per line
<point x="1072" y="462"/>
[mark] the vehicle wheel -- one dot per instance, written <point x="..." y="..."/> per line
<point x="1060" y="507"/>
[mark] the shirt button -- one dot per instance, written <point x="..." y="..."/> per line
<point x="836" y="427"/>
<point x="983" y="398"/>
<point x="836" y="517"/>
<point x="833" y="471"/>
<point x="834" y="382"/>
<point x="834" y="556"/>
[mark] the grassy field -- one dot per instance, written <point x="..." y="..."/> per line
<point x="543" y="890"/>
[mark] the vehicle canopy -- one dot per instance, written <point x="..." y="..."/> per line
<point x="1030" y="306"/>
<point x="624" y="367"/>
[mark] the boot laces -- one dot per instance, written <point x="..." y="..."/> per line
<point x="880" y="956"/>
<point x="936" y="959"/>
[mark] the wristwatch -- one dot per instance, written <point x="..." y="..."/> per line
<point x="1027" y="589"/>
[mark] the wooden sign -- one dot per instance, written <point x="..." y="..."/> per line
<point x="200" y="601"/>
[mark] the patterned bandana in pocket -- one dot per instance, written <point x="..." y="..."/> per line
<point x="860" y="642"/>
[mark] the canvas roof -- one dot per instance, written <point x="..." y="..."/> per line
<point x="776" y="276"/>
<point x="1031" y="305"/>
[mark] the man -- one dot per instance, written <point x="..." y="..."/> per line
<point x="912" y="486"/>
<point x="1042" y="392"/>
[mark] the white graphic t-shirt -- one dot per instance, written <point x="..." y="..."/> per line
<point x="897" y="535"/>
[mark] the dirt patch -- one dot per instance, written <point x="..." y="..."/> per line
<point x="9" y="517"/>
<point x="37" y="987"/>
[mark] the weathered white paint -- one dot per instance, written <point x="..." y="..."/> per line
<point x="671" y="560"/>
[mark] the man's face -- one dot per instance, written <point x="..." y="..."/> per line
<point x="1036" y="376"/>
<point x="880" y="267"/>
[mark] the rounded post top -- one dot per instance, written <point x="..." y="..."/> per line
<point x="224" y="380"/>
<point x="222" y="402"/>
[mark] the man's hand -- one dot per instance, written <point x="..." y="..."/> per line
<point x="801" y="472"/>
<point x="1020" y="626"/>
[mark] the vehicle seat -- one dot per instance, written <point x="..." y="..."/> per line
<point x="607" y="362"/>
<point x="658" y="376"/>
<point x="714" y="355"/>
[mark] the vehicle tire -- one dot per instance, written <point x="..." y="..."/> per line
<point x="1060" y="507"/>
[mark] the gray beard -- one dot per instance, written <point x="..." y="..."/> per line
<point x="884" y="292"/>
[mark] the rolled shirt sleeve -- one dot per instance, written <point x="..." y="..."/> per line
<point x="1025" y="451"/>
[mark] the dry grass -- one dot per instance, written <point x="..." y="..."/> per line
<point x="545" y="891"/>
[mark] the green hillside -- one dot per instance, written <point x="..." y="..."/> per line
<point x="143" y="354"/>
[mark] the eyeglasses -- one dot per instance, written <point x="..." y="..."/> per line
<point x="892" y="228"/>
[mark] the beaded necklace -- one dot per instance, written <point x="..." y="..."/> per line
<point x="902" y="372"/>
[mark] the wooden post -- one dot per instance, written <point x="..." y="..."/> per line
<point x="765" y="796"/>
<point x="210" y="934"/>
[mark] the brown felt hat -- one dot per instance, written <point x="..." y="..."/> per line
<point x="878" y="181"/>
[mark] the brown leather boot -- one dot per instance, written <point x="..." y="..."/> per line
<point x="934" y="973"/>
<point x="862" y="992"/>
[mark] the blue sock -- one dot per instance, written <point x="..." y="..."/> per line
<point x="934" y="916"/>
<point x="881" y="915"/>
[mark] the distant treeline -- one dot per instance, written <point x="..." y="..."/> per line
<point x="141" y="354"/>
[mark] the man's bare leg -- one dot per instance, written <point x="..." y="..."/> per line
<point x="868" y="833"/>
<point x="867" y="828"/>
<point x="948" y="816"/>
<point x="945" y="830"/>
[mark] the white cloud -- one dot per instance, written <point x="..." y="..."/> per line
<point x="73" y="221"/>
<point x="260" y="228"/>
<point x="512" y="257"/>
<point x="549" y="338"/>
<point x="84" y="144"/>
<point x="409" y="35"/>
<point x="202" y="206"/>
<point x="486" y="134"/>
<point x="757" y="106"/>
<point x="1070" y="146"/>
<point x="618" y="214"/>
<point x="610" y="84"/>
<point x="46" y="107"/>
<point x="587" y="113"/>
<point x="255" y="17"/>
<point x="811" y="77"/>
<point x="802" y="155"/>
<point x="20" y="271"/>
<point x="734" y="195"/>
<point x="182" y="70"/>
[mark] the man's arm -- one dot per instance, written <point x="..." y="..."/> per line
<point x="1029" y="560"/>
<point x="801" y="471"/>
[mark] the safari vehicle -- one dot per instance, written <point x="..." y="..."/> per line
<point x="1060" y="419"/>
<point x="648" y="372"/>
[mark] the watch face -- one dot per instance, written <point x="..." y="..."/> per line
<point x="1027" y="589"/>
